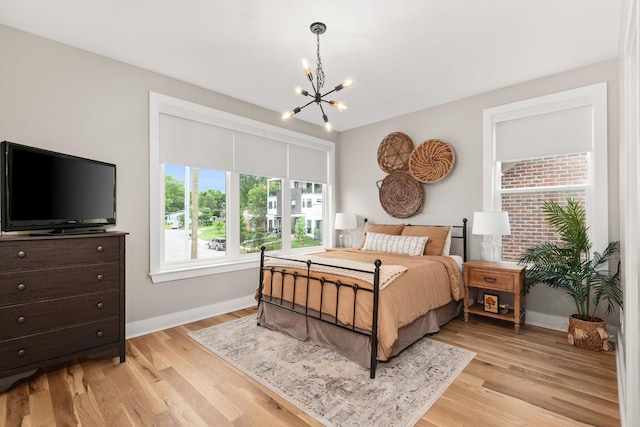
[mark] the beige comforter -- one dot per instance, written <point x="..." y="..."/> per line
<point x="429" y="282"/>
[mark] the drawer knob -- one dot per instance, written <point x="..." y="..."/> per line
<point x="489" y="279"/>
<point x="99" y="334"/>
<point x="21" y="319"/>
<point x="100" y="305"/>
<point x="100" y="248"/>
<point x="22" y="352"/>
<point x="21" y="286"/>
<point x="22" y="254"/>
<point x="100" y="277"/>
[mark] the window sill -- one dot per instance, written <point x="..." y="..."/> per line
<point x="189" y="272"/>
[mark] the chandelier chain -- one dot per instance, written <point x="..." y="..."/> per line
<point x="319" y="70"/>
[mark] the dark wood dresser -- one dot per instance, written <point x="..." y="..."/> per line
<point x="60" y="298"/>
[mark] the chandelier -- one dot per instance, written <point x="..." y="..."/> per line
<point x="318" y="28"/>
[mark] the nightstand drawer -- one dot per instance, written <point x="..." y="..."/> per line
<point x="493" y="279"/>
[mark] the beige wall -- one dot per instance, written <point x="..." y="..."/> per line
<point x="460" y="193"/>
<point x="65" y="99"/>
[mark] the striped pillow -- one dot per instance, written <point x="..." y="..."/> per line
<point x="403" y="245"/>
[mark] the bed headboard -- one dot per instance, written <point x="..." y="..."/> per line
<point x="457" y="232"/>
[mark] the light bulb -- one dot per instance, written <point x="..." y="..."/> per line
<point x="327" y="125"/>
<point x="305" y="66"/>
<point x="289" y="114"/>
<point x="340" y="106"/>
<point x="301" y="91"/>
<point x="347" y="83"/>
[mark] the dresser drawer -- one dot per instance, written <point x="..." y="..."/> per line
<point x="27" y="319"/>
<point x="34" y="285"/>
<point x="38" y="253"/>
<point x="493" y="279"/>
<point x="21" y="352"/>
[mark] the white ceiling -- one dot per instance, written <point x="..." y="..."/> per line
<point x="404" y="55"/>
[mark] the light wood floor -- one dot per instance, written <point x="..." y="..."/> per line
<point x="533" y="378"/>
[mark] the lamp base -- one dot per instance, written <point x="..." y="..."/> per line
<point x="490" y="249"/>
<point x="345" y="240"/>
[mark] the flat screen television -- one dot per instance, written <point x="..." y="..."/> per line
<point x="46" y="191"/>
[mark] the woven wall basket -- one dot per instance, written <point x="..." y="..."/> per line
<point x="401" y="196"/>
<point x="588" y="335"/>
<point x="394" y="152"/>
<point x="431" y="161"/>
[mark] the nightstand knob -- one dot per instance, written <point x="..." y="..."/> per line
<point x="99" y="334"/>
<point x="100" y="248"/>
<point x="21" y="319"/>
<point x="99" y="305"/>
<point x="489" y="279"/>
<point x="21" y="286"/>
<point x="22" y="254"/>
<point x="22" y="352"/>
<point x="100" y="277"/>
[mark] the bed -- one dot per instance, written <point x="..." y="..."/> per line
<point x="368" y="303"/>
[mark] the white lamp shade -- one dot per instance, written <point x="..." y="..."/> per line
<point x="491" y="223"/>
<point x="346" y="221"/>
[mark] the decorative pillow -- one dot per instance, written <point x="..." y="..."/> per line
<point x="447" y="244"/>
<point x="437" y="237"/>
<point x="403" y="245"/>
<point x="393" y="229"/>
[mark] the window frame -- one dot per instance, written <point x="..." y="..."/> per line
<point x="593" y="96"/>
<point x="161" y="271"/>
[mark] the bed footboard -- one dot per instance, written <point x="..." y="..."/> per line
<point x="302" y="278"/>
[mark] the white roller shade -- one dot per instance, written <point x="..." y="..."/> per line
<point x="257" y="155"/>
<point x="307" y="164"/>
<point x="560" y="132"/>
<point x="192" y="143"/>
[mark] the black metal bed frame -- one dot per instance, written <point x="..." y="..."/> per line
<point x="328" y="318"/>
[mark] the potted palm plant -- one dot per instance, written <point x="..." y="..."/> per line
<point x="570" y="265"/>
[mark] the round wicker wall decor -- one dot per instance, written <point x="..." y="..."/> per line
<point x="431" y="161"/>
<point x="394" y="152"/>
<point x="401" y="196"/>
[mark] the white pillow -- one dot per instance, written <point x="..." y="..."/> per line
<point x="403" y="245"/>
<point x="447" y="243"/>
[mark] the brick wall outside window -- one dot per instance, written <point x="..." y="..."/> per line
<point x="528" y="226"/>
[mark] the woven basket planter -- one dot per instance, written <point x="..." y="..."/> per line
<point x="590" y="335"/>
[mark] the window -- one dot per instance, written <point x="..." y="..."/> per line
<point x="216" y="183"/>
<point x="194" y="193"/>
<point x="547" y="148"/>
<point x="526" y="185"/>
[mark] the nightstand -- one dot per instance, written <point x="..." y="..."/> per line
<point x="494" y="276"/>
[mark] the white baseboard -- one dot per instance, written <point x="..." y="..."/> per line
<point x="622" y="378"/>
<point x="548" y="321"/>
<point x="558" y="323"/>
<point x="147" y="326"/>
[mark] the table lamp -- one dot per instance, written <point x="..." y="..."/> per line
<point x="491" y="225"/>
<point x="346" y="222"/>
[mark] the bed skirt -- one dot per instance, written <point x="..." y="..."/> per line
<point x="354" y="346"/>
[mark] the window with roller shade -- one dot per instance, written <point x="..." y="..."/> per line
<point x="217" y="183"/>
<point x="547" y="148"/>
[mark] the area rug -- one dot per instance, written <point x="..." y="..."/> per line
<point x="332" y="389"/>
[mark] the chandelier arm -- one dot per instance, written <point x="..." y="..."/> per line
<point x="330" y="92"/>
<point x="305" y="105"/>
